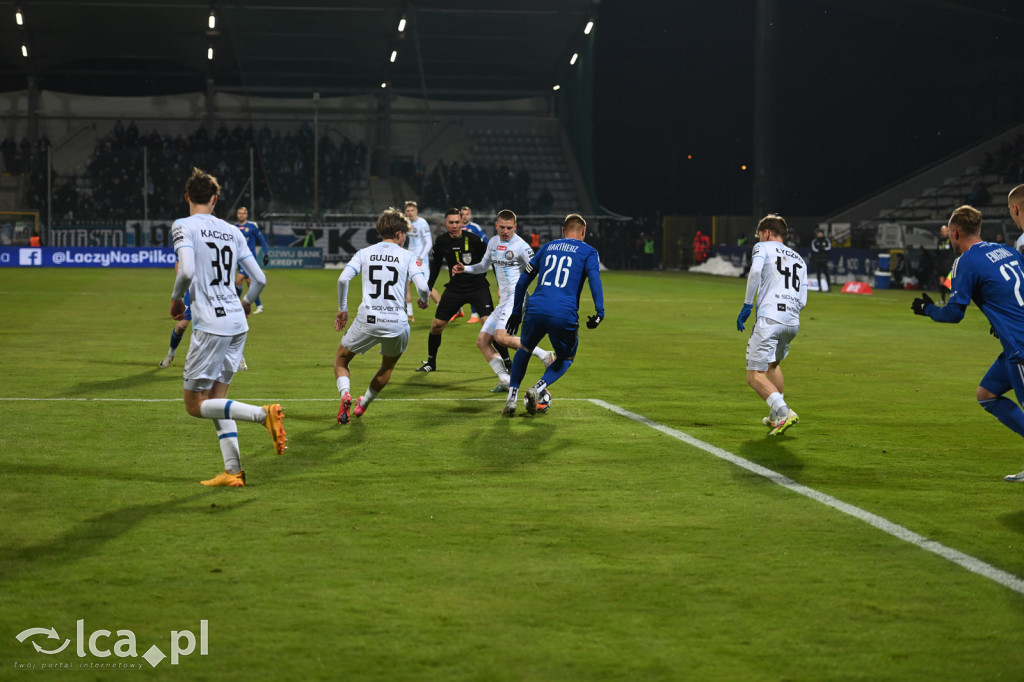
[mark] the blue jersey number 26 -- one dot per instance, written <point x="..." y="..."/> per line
<point x="560" y="267"/>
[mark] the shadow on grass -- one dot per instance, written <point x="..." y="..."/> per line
<point x="1014" y="521"/>
<point x="510" y="444"/>
<point x="771" y="452"/>
<point x="122" y="386"/>
<point x="65" y="472"/>
<point x="89" y="536"/>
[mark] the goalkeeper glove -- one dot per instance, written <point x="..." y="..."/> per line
<point x="593" y="321"/>
<point x="512" y="326"/>
<point x="920" y="304"/>
<point x="266" y="259"/>
<point x="744" y="314"/>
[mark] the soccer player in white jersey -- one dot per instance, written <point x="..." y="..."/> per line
<point x="509" y="254"/>
<point x="778" y="280"/>
<point x="381" y="318"/>
<point x="1015" y="202"/>
<point x="419" y="241"/>
<point x="209" y="252"/>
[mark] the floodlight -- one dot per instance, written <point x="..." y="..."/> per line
<point x="24" y="50"/>
<point x="575" y="56"/>
<point x="209" y="53"/>
<point x="19" y="17"/>
<point x="394" y="56"/>
<point x="589" y="28"/>
<point x="401" y="24"/>
<point x="557" y="87"/>
<point x="213" y="20"/>
<point x="384" y="84"/>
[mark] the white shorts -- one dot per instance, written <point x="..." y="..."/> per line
<point x="212" y="358"/>
<point x="358" y="340"/>
<point x="497" y="319"/>
<point x="769" y="343"/>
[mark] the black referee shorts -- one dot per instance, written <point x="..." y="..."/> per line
<point x="453" y="299"/>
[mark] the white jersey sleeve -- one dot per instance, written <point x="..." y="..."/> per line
<point x="1020" y="244"/>
<point x="424" y="240"/>
<point x="218" y="247"/>
<point x="778" y="275"/>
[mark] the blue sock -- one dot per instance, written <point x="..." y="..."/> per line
<point x="238" y="290"/>
<point x="1006" y="411"/>
<point x="553" y="373"/>
<point x="176" y="339"/>
<point x="258" y="301"/>
<point x="519" y="364"/>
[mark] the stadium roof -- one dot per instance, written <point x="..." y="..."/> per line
<point x="492" y="48"/>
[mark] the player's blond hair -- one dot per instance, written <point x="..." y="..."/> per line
<point x="775" y="224"/>
<point x="967" y="218"/>
<point x="391" y="222"/>
<point x="574" y="221"/>
<point x="1016" y="196"/>
<point x="201" y="187"/>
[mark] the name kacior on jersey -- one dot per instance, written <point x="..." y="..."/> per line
<point x="564" y="247"/>
<point x="215" y="234"/>
<point x="384" y="257"/>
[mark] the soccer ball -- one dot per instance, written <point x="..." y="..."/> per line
<point x="544" y="401"/>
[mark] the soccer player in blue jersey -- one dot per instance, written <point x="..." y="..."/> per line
<point x="563" y="266"/>
<point x="251" y="232"/>
<point x="991" y="275"/>
<point x="466" y="214"/>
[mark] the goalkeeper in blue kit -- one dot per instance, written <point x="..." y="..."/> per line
<point x="563" y="266"/>
<point x="991" y="275"/>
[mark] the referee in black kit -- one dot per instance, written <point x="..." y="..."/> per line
<point x="455" y="246"/>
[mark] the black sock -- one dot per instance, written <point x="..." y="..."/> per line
<point x="502" y="351"/>
<point x="433" y="344"/>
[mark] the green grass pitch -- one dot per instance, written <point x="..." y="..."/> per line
<point x="434" y="540"/>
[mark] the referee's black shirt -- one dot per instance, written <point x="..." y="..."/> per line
<point x="467" y="249"/>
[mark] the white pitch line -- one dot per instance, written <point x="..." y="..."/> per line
<point x="282" y="400"/>
<point x="964" y="560"/>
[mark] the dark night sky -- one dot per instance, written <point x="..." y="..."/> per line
<point x="866" y="92"/>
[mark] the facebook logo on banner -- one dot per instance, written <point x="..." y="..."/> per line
<point x="30" y="256"/>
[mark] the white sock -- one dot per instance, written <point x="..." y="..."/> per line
<point x="408" y="309"/>
<point x="778" y="405"/>
<point x="227" y="432"/>
<point x="513" y="393"/>
<point x="540" y="386"/>
<point x="498" y="365"/>
<point x="344" y="385"/>
<point x="369" y="396"/>
<point x="222" y="408"/>
<point x="540" y="353"/>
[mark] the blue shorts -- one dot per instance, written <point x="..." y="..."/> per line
<point x="242" y="272"/>
<point x="563" y="333"/>
<point x="1004" y="375"/>
<point x="188" y="306"/>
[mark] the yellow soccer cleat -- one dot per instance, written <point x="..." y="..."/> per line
<point x="275" y="427"/>
<point x="780" y="425"/>
<point x="226" y="479"/>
